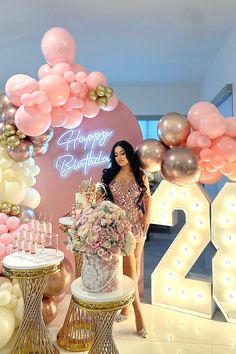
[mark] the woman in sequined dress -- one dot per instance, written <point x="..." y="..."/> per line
<point x="127" y="186"/>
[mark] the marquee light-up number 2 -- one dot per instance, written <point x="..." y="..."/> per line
<point x="170" y="287"/>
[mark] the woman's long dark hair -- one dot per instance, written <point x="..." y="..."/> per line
<point x="110" y="173"/>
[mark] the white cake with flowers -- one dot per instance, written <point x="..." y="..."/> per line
<point x="103" y="234"/>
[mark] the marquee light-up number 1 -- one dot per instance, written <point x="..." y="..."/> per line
<point x="170" y="287"/>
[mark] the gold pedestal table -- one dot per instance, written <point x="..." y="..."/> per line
<point x="103" y="308"/>
<point x="77" y="332"/>
<point x="32" y="272"/>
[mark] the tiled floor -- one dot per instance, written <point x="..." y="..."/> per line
<point x="169" y="332"/>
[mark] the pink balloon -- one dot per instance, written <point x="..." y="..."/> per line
<point x="81" y="77"/>
<point x="227" y="169"/>
<point x="95" y="79"/>
<point x="74" y="119"/>
<point x="60" y="69"/>
<point x="77" y="68"/>
<point x="210" y="168"/>
<point x="2" y="249"/>
<point x="58" y="46"/>
<point x="206" y="155"/>
<point x="90" y="109"/>
<point x="12" y="223"/>
<point x="225" y="146"/>
<point x="44" y="70"/>
<point x="210" y="177"/>
<point x="192" y="140"/>
<point x="59" y="117"/>
<point x="3" y="229"/>
<point x="212" y="125"/>
<point x="69" y="76"/>
<point x="198" y="110"/>
<point x="45" y="107"/>
<point x="6" y="239"/>
<point x="3" y="218"/>
<point x="73" y="102"/>
<point x="230" y="126"/>
<point x="30" y="121"/>
<point x="203" y="141"/>
<point x="218" y="161"/>
<point x="56" y="89"/>
<point x="112" y="104"/>
<point x="39" y="97"/>
<point x="83" y="91"/>
<point x="75" y="87"/>
<point x="17" y="85"/>
<point x="27" y="99"/>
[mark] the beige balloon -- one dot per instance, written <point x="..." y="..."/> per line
<point x="181" y="166"/>
<point x="173" y="129"/>
<point x="149" y="154"/>
<point x="232" y="176"/>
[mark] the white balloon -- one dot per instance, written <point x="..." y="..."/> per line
<point x="32" y="198"/>
<point x="30" y="181"/>
<point x="16" y="290"/>
<point x="14" y="192"/>
<point x="12" y="303"/>
<point x="19" y="309"/>
<point x="6" y="286"/>
<point x="7" y="321"/>
<point x="8" y="175"/>
<point x="35" y="170"/>
<point x="29" y="162"/>
<point x="4" y="163"/>
<point x="5" y="297"/>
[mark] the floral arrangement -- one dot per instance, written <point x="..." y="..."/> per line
<point x="102" y="230"/>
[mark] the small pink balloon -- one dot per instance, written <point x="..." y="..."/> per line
<point x="73" y="102"/>
<point x="3" y="229"/>
<point x="31" y="121"/>
<point x="81" y="77"/>
<point x="39" y="97"/>
<point x="75" y="87"/>
<point x="6" y="239"/>
<point x="44" y="70"/>
<point x="218" y="161"/>
<point x="203" y="141"/>
<point x="83" y="91"/>
<point x="198" y="110"/>
<point x="3" y="218"/>
<point x="56" y="89"/>
<point x="225" y="146"/>
<point x="230" y="126"/>
<point x="76" y="68"/>
<point x="210" y="177"/>
<point x="60" y="69"/>
<point x="210" y="168"/>
<point x="27" y="99"/>
<point x="192" y="140"/>
<point x="69" y="76"/>
<point x="227" y="169"/>
<point x="58" y="46"/>
<point x="45" y="107"/>
<point x="59" y="117"/>
<point x="15" y="87"/>
<point x="2" y="249"/>
<point x="95" y="79"/>
<point x="212" y="125"/>
<point x="90" y="109"/>
<point x="206" y="155"/>
<point x="112" y="104"/>
<point x="74" y="119"/>
<point x="13" y="223"/>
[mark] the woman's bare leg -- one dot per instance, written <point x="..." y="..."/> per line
<point x="138" y="254"/>
<point x="129" y="269"/>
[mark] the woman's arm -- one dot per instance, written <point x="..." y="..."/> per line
<point x="147" y="205"/>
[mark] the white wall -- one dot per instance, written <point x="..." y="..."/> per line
<point x="159" y="99"/>
<point x="222" y="70"/>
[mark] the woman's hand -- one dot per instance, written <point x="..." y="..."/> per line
<point x="146" y="222"/>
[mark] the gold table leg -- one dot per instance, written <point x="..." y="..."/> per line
<point x="76" y="333"/>
<point x="32" y="336"/>
<point x="103" y="341"/>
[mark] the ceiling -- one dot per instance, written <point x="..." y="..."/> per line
<point x="134" y="42"/>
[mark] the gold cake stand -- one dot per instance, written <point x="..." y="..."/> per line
<point x="32" y="274"/>
<point x="77" y="331"/>
<point x="103" y="309"/>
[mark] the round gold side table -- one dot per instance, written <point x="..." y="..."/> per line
<point x="77" y="332"/>
<point x="103" y="308"/>
<point x="32" y="273"/>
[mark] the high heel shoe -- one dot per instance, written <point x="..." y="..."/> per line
<point x="142" y="333"/>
